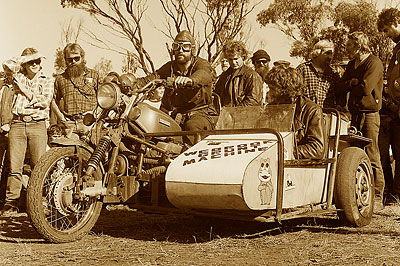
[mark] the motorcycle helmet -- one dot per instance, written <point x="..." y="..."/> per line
<point x="112" y="77"/>
<point x="127" y="82"/>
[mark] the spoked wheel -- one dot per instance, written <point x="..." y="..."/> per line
<point x="54" y="211"/>
<point x="354" y="187"/>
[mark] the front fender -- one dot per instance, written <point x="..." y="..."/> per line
<point x="65" y="141"/>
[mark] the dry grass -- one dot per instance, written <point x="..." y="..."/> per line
<point x="126" y="237"/>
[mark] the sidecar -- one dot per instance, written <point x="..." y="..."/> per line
<point x="246" y="169"/>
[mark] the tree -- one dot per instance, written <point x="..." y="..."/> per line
<point x="104" y="66"/>
<point x="129" y="63"/>
<point x="213" y="22"/>
<point x="362" y="16"/>
<point x="307" y="21"/>
<point x="69" y="33"/>
<point x="120" y="18"/>
<point x="300" y="20"/>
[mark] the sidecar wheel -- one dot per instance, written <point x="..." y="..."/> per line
<point x="55" y="214"/>
<point x="354" y="187"/>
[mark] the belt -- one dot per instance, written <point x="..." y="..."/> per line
<point x="27" y="118"/>
<point x="75" y="117"/>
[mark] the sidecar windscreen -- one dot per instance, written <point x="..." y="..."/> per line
<point x="278" y="117"/>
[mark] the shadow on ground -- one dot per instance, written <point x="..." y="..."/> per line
<point x="18" y="229"/>
<point x="131" y="224"/>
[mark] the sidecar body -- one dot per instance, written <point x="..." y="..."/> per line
<point x="248" y="166"/>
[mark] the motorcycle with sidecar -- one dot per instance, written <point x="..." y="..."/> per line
<point x="135" y="154"/>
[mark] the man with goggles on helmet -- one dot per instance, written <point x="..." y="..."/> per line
<point x="194" y="78"/>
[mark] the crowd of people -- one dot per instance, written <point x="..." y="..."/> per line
<point x="31" y="101"/>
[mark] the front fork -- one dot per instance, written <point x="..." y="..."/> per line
<point x="92" y="187"/>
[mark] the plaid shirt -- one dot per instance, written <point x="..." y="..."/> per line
<point x="320" y="86"/>
<point x="41" y="87"/>
<point x="78" y="94"/>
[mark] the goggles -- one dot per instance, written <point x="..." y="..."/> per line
<point x="186" y="46"/>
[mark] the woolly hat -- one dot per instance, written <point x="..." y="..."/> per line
<point x="184" y="36"/>
<point x="260" y="54"/>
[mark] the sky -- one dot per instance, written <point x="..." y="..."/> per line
<point x="39" y="23"/>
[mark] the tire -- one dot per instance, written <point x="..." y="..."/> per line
<point x="54" y="212"/>
<point x="354" y="187"/>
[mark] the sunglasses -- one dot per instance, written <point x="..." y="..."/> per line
<point x="34" y="62"/>
<point x="73" y="59"/>
<point x="262" y="62"/>
<point x="186" y="46"/>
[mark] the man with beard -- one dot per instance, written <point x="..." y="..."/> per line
<point x="261" y="61"/>
<point x="75" y="90"/>
<point x="363" y="81"/>
<point x="194" y="78"/>
<point x="319" y="76"/>
<point x="239" y="85"/>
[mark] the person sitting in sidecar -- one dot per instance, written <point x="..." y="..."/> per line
<point x="287" y="87"/>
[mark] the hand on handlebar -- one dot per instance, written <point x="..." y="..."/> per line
<point x="182" y="81"/>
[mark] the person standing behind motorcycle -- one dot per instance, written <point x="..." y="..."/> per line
<point x="194" y="78"/>
<point x="319" y="76"/>
<point x="31" y="106"/>
<point x="239" y="85"/>
<point x="75" y="90"/>
<point x="261" y="61"/>
<point x="389" y="24"/>
<point x="363" y="80"/>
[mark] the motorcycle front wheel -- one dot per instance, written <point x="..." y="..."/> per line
<point x="54" y="211"/>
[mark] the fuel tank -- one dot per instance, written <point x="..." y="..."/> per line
<point x="153" y="120"/>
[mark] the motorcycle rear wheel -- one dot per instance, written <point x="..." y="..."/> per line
<point x="55" y="214"/>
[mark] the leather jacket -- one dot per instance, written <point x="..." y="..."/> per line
<point x="308" y="125"/>
<point x="242" y="87"/>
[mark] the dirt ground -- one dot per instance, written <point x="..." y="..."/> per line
<point x="127" y="237"/>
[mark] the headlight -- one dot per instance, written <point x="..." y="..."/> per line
<point x="108" y="95"/>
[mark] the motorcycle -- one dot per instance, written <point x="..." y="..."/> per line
<point x="135" y="154"/>
<point x="113" y="163"/>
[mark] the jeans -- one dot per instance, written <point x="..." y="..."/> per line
<point x="4" y="165"/>
<point x="198" y="120"/>
<point x="21" y="136"/>
<point x="368" y="124"/>
<point x="389" y="137"/>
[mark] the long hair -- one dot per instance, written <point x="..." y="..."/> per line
<point x="74" y="47"/>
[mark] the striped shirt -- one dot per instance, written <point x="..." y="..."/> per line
<point x="320" y="86"/>
<point x="78" y="94"/>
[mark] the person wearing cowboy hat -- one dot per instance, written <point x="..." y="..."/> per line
<point x="30" y="109"/>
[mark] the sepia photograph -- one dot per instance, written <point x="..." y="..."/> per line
<point x="200" y="132"/>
